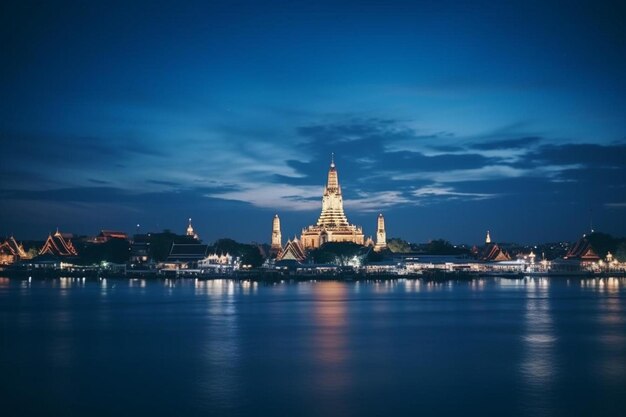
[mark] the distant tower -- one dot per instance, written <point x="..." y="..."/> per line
<point x="277" y="240"/>
<point x="190" y="231"/>
<point x="488" y="238"/>
<point x="381" y="235"/>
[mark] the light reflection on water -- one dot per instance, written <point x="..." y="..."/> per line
<point x="538" y="366"/>
<point x="219" y="382"/>
<point x="304" y="348"/>
<point x="611" y="321"/>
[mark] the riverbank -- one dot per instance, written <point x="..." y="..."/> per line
<point x="275" y="276"/>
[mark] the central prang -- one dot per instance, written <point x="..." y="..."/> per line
<point x="332" y="225"/>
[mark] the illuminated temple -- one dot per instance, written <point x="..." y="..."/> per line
<point x="332" y="225"/>
<point x="58" y="244"/>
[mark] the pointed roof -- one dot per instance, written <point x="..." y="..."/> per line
<point x="494" y="253"/>
<point x="582" y="250"/>
<point x="16" y="249"/>
<point x="332" y="185"/>
<point x="58" y="245"/>
<point x="113" y="234"/>
<point x="292" y="251"/>
<point x="187" y="252"/>
<point x="332" y="203"/>
<point x="6" y="249"/>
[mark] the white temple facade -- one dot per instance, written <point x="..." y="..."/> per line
<point x="381" y="234"/>
<point x="332" y="224"/>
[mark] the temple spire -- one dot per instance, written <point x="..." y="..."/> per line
<point x="277" y="241"/>
<point x="332" y="185"/>
<point x="381" y="234"/>
<point x="332" y="202"/>
<point x="190" y="231"/>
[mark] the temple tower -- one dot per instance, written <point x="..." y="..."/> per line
<point x="488" y="238"/>
<point x="332" y="202"/>
<point x="381" y="234"/>
<point x="277" y="240"/>
<point x="191" y="232"/>
<point x="332" y="224"/>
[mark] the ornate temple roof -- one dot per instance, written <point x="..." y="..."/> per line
<point x="58" y="244"/>
<point x="113" y="234"/>
<point x="10" y="246"/>
<point x="190" y="232"/>
<point x="292" y="251"/>
<point x="582" y="250"/>
<point x="332" y="201"/>
<point x="494" y="253"/>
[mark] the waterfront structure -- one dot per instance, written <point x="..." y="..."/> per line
<point x="381" y="234"/>
<point x="332" y="224"/>
<point x="582" y="251"/>
<point x="185" y="255"/>
<point x="219" y="264"/>
<point x="191" y="232"/>
<point x="106" y="235"/>
<point x="494" y="253"/>
<point x="491" y="252"/>
<point x="58" y="244"/>
<point x="6" y="255"/>
<point x="140" y="248"/>
<point x="293" y="251"/>
<point x="11" y="251"/>
<point x="277" y="240"/>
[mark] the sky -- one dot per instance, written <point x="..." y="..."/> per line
<point x="450" y="118"/>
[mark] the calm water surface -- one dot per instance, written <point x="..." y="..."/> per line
<point x="533" y="347"/>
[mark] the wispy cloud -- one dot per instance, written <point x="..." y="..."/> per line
<point x="275" y="196"/>
<point x="436" y="190"/>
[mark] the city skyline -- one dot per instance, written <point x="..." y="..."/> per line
<point x="450" y="120"/>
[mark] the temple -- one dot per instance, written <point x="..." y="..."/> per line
<point x="58" y="245"/>
<point x="277" y="240"/>
<point x="292" y="252"/>
<point x="492" y="252"/>
<point x="191" y="232"/>
<point x="332" y="225"/>
<point x="582" y="251"/>
<point x="381" y="235"/>
<point x="11" y="251"/>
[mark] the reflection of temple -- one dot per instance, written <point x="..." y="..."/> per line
<point x="58" y="244"/>
<point x="332" y="225"/>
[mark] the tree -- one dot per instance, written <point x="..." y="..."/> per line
<point x="340" y="253"/>
<point x="602" y="243"/>
<point x="161" y="243"/>
<point x="620" y="252"/>
<point x="115" y="251"/>
<point x="398" y="245"/>
<point x="249" y="254"/>
<point x="442" y="247"/>
<point x="226" y="246"/>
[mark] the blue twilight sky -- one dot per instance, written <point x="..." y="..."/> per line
<point x="450" y="118"/>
